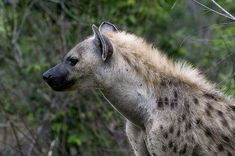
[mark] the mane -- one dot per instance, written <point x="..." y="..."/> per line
<point x="152" y="64"/>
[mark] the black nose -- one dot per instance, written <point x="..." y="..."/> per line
<point x="46" y="76"/>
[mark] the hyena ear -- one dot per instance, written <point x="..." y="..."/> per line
<point x="104" y="43"/>
<point x="107" y="27"/>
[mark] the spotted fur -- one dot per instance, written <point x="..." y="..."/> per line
<point x="170" y="108"/>
<point x="206" y="115"/>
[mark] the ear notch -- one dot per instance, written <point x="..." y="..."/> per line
<point x="105" y="45"/>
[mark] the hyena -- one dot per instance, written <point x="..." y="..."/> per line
<point x="169" y="107"/>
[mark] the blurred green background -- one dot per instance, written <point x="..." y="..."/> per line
<point x="35" y="34"/>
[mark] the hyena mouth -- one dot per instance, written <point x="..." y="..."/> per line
<point x="66" y="85"/>
<point x="59" y="84"/>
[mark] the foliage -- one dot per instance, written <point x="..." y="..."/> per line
<point x="35" y="34"/>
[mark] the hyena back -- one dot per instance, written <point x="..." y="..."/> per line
<point x="170" y="108"/>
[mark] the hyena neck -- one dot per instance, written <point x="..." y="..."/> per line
<point x="132" y="95"/>
<point x="134" y="79"/>
<point x="127" y="93"/>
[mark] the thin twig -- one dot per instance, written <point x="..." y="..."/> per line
<point x="12" y="125"/>
<point x="26" y="13"/>
<point x="40" y="129"/>
<point x="227" y="23"/>
<point x="224" y="15"/>
<point x="17" y="138"/>
<point x="174" y="4"/>
<point x="225" y="11"/>
<point x="16" y="48"/>
<point x="66" y="11"/>
<point x="17" y="30"/>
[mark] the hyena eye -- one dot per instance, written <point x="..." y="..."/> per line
<point x="72" y="61"/>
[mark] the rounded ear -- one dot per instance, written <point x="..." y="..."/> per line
<point x="107" y="27"/>
<point x="105" y="45"/>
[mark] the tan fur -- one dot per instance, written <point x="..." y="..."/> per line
<point x="144" y="59"/>
<point x="170" y="108"/>
<point x="154" y="67"/>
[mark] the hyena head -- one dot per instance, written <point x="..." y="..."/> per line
<point x="79" y="64"/>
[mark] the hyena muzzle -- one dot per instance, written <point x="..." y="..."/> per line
<point x="57" y="77"/>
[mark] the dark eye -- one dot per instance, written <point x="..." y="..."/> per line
<point x="72" y="61"/>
